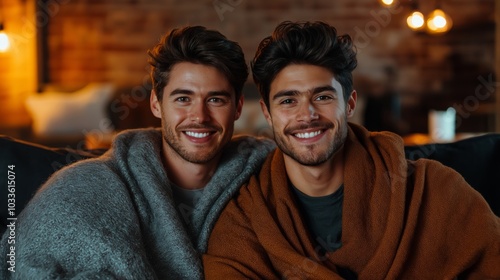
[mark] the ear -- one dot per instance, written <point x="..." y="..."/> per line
<point x="155" y="104"/>
<point x="351" y="104"/>
<point x="266" y="113"/>
<point x="239" y="107"/>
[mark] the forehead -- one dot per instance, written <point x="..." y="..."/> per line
<point x="303" y="78"/>
<point x="197" y="77"/>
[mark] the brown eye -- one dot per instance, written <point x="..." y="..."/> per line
<point x="182" y="99"/>
<point x="287" y="101"/>
<point x="217" y="101"/>
<point x="323" y="97"/>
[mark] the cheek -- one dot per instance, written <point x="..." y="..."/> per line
<point x="172" y="115"/>
<point x="340" y="114"/>
<point x="281" y="120"/>
<point x="224" y="115"/>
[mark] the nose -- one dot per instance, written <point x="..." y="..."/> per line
<point x="198" y="112"/>
<point x="307" y="112"/>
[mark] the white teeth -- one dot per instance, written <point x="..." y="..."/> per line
<point x="197" y="135"/>
<point x="308" y="134"/>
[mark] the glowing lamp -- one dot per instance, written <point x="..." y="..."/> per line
<point x="387" y="2"/>
<point x="438" y="22"/>
<point x="4" y="40"/>
<point x="415" y="20"/>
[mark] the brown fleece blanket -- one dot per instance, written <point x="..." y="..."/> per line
<point x="401" y="220"/>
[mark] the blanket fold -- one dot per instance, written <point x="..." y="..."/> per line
<point x="401" y="220"/>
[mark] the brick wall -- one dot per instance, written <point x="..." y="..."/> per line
<point x="18" y="65"/>
<point x="92" y="41"/>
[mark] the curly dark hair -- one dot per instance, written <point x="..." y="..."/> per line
<point x="196" y="44"/>
<point x="314" y="43"/>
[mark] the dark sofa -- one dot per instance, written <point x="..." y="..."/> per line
<point x="477" y="159"/>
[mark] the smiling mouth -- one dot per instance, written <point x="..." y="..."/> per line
<point x="197" y="134"/>
<point x="307" y="135"/>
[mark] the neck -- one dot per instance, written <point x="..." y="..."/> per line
<point x="319" y="180"/>
<point x="185" y="174"/>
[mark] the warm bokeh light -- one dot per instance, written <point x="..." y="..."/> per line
<point x="4" y="42"/>
<point x="438" y="22"/>
<point x="387" y="2"/>
<point x="416" y="20"/>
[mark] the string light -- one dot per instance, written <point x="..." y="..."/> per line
<point x="439" y="22"/>
<point x="415" y="20"/>
<point x="4" y="40"/>
<point x="387" y="2"/>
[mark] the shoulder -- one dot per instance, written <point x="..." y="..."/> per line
<point x="76" y="203"/>
<point x="80" y="190"/>
<point x="138" y="139"/>
<point x="89" y="173"/>
<point x="83" y="212"/>
<point x="441" y="185"/>
<point x="244" y="155"/>
<point x="269" y="183"/>
<point x="435" y="172"/>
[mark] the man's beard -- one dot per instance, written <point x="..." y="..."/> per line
<point x="194" y="157"/>
<point x="313" y="157"/>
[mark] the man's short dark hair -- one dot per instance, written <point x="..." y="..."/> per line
<point x="196" y="44"/>
<point x="314" y="43"/>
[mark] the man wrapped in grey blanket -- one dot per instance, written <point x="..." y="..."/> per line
<point x="145" y="209"/>
<point x="114" y="216"/>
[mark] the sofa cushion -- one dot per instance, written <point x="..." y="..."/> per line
<point x="32" y="165"/>
<point x="477" y="159"/>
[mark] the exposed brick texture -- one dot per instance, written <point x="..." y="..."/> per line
<point x="91" y="41"/>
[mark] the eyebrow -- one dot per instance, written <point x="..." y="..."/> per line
<point x="296" y="92"/>
<point x="181" y="91"/>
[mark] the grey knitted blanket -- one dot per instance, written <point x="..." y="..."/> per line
<point x="114" y="217"/>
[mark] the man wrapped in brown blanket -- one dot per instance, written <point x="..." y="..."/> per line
<point x="386" y="217"/>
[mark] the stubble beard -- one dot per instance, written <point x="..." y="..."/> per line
<point x="312" y="157"/>
<point x="194" y="157"/>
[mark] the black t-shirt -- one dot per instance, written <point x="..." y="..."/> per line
<point x="323" y="217"/>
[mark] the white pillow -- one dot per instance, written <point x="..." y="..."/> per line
<point x="71" y="114"/>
